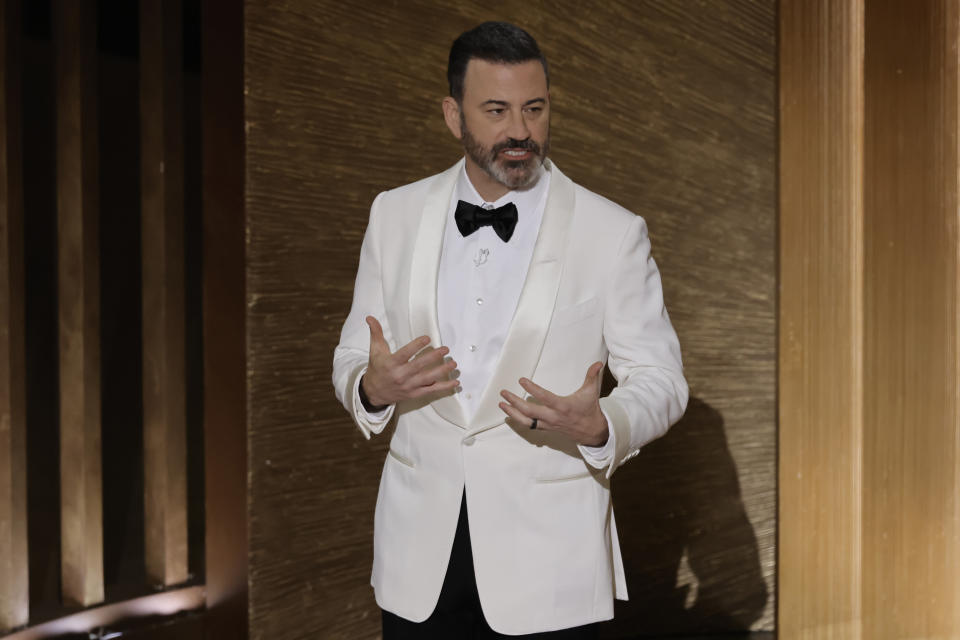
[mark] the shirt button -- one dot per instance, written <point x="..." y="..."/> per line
<point x="479" y="300"/>
<point x="469" y="441"/>
<point x="473" y="347"/>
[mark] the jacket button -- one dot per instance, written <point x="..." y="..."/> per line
<point x="469" y="441"/>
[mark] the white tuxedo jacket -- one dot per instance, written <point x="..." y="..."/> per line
<point x="544" y="540"/>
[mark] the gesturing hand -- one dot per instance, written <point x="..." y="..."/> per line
<point x="393" y="377"/>
<point x="577" y="415"/>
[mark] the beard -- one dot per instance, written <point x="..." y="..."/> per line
<point x="513" y="174"/>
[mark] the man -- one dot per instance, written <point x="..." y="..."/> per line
<point x="487" y="299"/>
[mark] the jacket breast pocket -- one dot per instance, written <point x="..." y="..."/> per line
<point x="575" y="313"/>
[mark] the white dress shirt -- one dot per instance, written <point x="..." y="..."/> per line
<point x="479" y="284"/>
<point x="478" y="288"/>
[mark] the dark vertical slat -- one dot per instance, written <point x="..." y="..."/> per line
<point x="40" y="311"/>
<point x="164" y="387"/>
<point x="81" y="498"/>
<point x="224" y="311"/>
<point x="14" y="605"/>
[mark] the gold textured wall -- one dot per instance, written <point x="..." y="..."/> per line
<point x="667" y="108"/>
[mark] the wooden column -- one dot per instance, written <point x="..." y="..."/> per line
<point x="162" y="231"/>
<point x="79" y="302"/>
<point x="14" y="605"/>
<point x="821" y="318"/>
<point x="911" y="454"/>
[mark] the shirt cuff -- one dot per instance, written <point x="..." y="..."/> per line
<point x="600" y="457"/>
<point x="372" y="417"/>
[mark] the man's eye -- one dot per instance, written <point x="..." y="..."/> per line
<point x="535" y="109"/>
<point x="495" y="112"/>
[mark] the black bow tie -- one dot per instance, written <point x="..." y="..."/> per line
<point x="470" y="217"/>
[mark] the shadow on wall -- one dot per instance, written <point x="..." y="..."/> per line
<point x="689" y="552"/>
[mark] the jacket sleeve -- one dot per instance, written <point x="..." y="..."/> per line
<point x="352" y="353"/>
<point x="651" y="393"/>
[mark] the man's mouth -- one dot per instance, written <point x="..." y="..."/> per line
<point x="516" y="154"/>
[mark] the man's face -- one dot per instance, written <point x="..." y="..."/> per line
<point x="504" y="120"/>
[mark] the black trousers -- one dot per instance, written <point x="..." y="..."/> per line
<point x="458" y="615"/>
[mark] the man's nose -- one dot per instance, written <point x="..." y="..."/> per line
<point x="518" y="129"/>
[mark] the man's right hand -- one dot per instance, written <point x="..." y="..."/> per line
<point x="394" y="377"/>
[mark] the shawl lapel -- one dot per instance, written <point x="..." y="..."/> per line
<point x="424" y="270"/>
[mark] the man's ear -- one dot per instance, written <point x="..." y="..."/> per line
<point x="451" y="114"/>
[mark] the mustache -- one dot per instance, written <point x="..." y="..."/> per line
<point x="511" y="143"/>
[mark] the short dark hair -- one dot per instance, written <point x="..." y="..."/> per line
<point x="494" y="42"/>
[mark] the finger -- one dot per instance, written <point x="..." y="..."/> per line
<point x="529" y="409"/>
<point x="436" y="374"/>
<point x="518" y="416"/>
<point x="425" y="359"/>
<point x="411" y="349"/>
<point x="538" y="392"/>
<point x="376" y="334"/>
<point x="593" y="375"/>
<point x="436" y="387"/>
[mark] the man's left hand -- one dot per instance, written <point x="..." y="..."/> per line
<point x="577" y="415"/>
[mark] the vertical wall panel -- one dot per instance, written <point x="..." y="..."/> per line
<point x="14" y="606"/>
<point x="821" y="275"/>
<point x="162" y="245"/>
<point x="911" y="449"/>
<point x="79" y="302"/>
<point x="667" y="108"/>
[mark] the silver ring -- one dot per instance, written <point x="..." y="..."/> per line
<point x="533" y="425"/>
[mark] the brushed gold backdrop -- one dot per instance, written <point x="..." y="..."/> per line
<point x="667" y="108"/>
